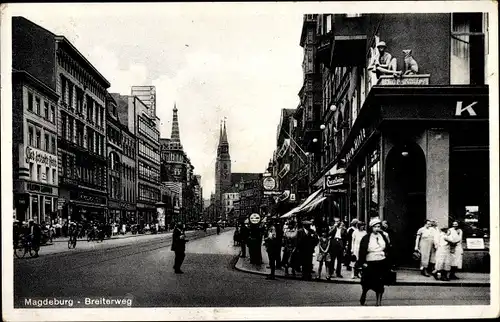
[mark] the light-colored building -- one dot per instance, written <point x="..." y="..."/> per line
<point x="147" y="94"/>
<point x="34" y="149"/>
<point x="228" y="200"/>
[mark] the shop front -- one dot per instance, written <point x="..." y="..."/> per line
<point x="418" y="153"/>
<point x="146" y="214"/>
<point x="35" y="201"/>
<point x="83" y="206"/>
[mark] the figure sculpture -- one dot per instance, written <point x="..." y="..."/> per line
<point x="411" y="66"/>
<point x="382" y="62"/>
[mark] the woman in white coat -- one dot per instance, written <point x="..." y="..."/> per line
<point x="456" y="250"/>
<point x="443" y="256"/>
<point x="357" y="235"/>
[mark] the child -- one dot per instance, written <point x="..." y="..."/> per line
<point x="323" y="253"/>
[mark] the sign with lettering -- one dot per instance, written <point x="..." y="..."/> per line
<point x="269" y="183"/>
<point x="358" y="140"/>
<point x="334" y="180"/>
<point x="40" y="157"/>
<point x="475" y="243"/>
<point x="91" y="199"/>
<point x="465" y="109"/>
<point x="39" y="188"/>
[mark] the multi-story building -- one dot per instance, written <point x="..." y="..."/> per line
<point x="34" y="148"/>
<point x="144" y="125"/>
<point x="81" y="117"/>
<point x="121" y="153"/>
<point x="228" y="200"/>
<point x="250" y="191"/>
<point x="405" y="116"/>
<point x="147" y="95"/>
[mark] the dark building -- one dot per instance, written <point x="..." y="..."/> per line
<point x="81" y="117"/>
<point x="413" y="136"/>
<point x="249" y="187"/>
<point x="34" y="148"/>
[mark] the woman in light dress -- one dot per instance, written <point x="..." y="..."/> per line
<point x="443" y="254"/>
<point x="357" y="235"/>
<point x="424" y="244"/>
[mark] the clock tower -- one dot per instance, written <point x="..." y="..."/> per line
<point x="222" y="168"/>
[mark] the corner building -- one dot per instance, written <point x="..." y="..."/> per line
<point x="81" y="117"/>
<point x="414" y="147"/>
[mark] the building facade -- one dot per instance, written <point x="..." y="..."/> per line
<point x="228" y="200"/>
<point x="34" y="148"/>
<point x="410" y="136"/>
<point x="147" y="95"/>
<point x="81" y="117"/>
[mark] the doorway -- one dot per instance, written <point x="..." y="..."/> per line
<point x="405" y="204"/>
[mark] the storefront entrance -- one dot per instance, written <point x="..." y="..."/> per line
<point x="405" y="196"/>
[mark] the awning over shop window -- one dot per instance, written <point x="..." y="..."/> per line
<point x="313" y="197"/>
<point x="313" y="205"/>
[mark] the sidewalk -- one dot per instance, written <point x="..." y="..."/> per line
<point x="404" y="276"/>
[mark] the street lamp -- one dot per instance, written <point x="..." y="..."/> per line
<point x="322" y="126"/>
<point x="333" y="107"/>
<point x="315" y="140"/>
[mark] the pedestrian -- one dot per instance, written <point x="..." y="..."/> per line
<point x="272" y="249"/>
<point x="307" y="241"/>
<point x="348" y="247"/>
<point x="443" y="255"/>
<point x="338" y="237"/>
<point x="373" y="253"/>
<point x="357" y="236"/>
<point x="218" y="228"/>
<point x="323" y="253"/>
<point x="179" y="246"/>
<point x="244" y="239"/>
<point x="290" y="248"/>
<point x="424" y="243"/>
<point x="456" y="250"/>
<point x="279" y="241"/>
<point x="35" y="236"/>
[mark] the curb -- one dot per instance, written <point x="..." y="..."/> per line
<point x="346" y="281"/>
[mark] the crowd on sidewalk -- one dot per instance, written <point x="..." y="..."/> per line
<point x="291" y="245"/>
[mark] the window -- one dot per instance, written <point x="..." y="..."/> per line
<point x="328" y="23"/>
<point x="30" y="102"/>
<point x="71" y="131"/>
<point x="53" y="145"/>
<point x="54" y="176"/>
<point x="46" y="142"/>
<point x="468" y="49"/>
<point x="37" y="105"/>
<point x="30" y="135"/>
<point x="353" y="15"/>
<point x="63" y="89"/>
<point x="52" y="113"/>
<point x="38" y="139"/>
<point x="47" y="174"/>
<point x="70" y="95"/>
<point x="39" y="172"/>
<point x="46" y="110"/>
<point x="32" y="174"/>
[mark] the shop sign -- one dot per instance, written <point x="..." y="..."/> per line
<point x="475" y="243"/>
<point x="39" y="188"/>
<point x="460" y="109"/>
<point x="254" y="218"/>
<point x="39" y="157"/>
<point x="60" y="203"/>
<point x="331" y="191"/>
<point x="91" y="199"/>
<point x="334" y="180"/>
<point x="269" y="183"/>
<point x="272" y="193"/>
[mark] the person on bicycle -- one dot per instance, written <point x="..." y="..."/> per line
<point x="72" y="231"/>
<point x="35" y="236"/>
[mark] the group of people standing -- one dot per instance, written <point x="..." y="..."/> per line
<point x="440" y="250"/>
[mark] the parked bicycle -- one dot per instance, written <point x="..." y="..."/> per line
<point x="23" y="247"/>
<point x="95" y="234"/>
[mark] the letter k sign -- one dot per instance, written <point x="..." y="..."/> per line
<point x="459" y="109"/>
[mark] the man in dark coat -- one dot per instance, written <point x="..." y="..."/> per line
<point x="36" y="236"/>
<point x="179" y="246"/>
<point x="306" y="241"/>
<point x="272" y="248"/>
<point x="338" y="240"/>
<point x="243" y="239"/>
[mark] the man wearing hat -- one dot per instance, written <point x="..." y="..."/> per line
<point x="338" y="237"/>
<point x="272" y="248"/>
<point x="179" y="246"/>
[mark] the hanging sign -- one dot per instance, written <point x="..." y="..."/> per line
<point x="269" y="183"/>
<point x="254" y="218"/>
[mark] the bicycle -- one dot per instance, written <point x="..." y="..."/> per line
<point x="23" y="246"/>
<point x="95" y="234"/>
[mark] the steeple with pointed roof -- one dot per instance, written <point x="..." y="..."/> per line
<point x="175" y="136"/>
<point x="222" y="167"/>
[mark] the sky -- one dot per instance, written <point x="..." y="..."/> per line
<point x="239" y="64"/>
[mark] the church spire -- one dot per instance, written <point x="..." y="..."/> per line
<point x="175" y="136"/>
<point x="224" y="133"/>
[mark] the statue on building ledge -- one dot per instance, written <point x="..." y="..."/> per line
<point x="382" y="62"/>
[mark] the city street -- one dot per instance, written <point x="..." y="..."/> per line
<point x="142" y="268"/>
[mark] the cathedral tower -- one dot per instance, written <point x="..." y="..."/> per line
<point x="222" y="167"/>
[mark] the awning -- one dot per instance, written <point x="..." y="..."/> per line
<point x="313" y="205"/>
<point x="314" y="196"/>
